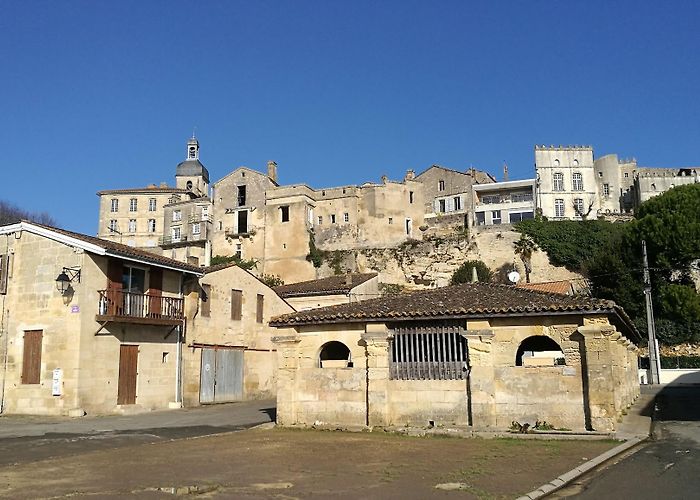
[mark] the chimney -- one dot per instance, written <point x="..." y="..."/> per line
<point x="505" y="172"/>
<point x="272" y="170"/>
<point x="410" y="175"/>
<point x="163" y="184"/>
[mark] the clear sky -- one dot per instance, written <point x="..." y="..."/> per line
<point x="103" y="95"/>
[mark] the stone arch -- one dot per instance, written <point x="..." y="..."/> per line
<point x="541" y="347"/>
<point x="334" y="352"/>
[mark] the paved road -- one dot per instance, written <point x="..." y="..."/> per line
<point x="27" y="439"/>
<point x="668" y="467"/>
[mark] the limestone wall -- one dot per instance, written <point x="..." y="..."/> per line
<point x="417" y="402"/>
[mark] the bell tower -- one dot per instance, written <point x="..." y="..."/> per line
<point x="191" y="174"/>
<point x="193" y="149"/>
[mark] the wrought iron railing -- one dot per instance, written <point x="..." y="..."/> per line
<point x="139" y="305"/>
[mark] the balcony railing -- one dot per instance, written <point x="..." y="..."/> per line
<point x="117" y="305"/>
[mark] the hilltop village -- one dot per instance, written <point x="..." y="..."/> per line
<point x="285" y="229"/>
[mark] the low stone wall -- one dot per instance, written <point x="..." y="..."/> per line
<point x="679" y="376"/>
<point x="417" y="402"/>
<point x="259" y="374"/>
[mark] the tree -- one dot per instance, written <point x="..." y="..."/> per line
<point x="463" y="274"/>
<point x="524" y="248"/>
<point x="227" y="259"/>
<point x="10" y="214"/>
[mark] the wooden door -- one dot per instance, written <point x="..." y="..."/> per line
<point x="155" y="291"/>
<point x="128" y="358"/>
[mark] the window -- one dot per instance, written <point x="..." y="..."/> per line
<point x="205" y="299"/>
<point x="334" y="354"/>
<point x="539" y="350"/>
<point x="152" y="204"/>
<point x="558" y="181"/>
<point x="205" y="212"/>
<point x="31" y="358"/>
<point x="519" y="216"/>
<point x="241" y="196"/>
<point x="627" y="174"/>
<point x="242" y="222"/>
<point x="391" y="220"/>
<point x="284" y="212"/>
<point x="606" y="190"/>
<point x="432" y="352"/>
<point x="578" y="206"/>
<point x="489" y="199"/>
<point x="236" y="304"/>
<point x="480" y="218"/>
<point x="192" y="152"/>
<point x="458" y="203"/>
<point x="410" y="196"/>
<point x="653" y="187"/>
<point x="519" y="197"/>
<point x="151" y="225"/>
<point x="600" y="174"/>
<point x="346" y="217"/>
<point x="239" y="250"/>
<point x="115" y="205"/>
<point x="441" y="206"/>
<point x="113" y="226"/>
<point x="558" y="207"/>
<point x="177" y="215"/>
<point x="259" y="306"/>
<point x="133" y="205"/>
<point x="175" y="232"/>
<point x="577" y="181"/>
<point x="495" y="216"/>
<point x="189" y="185"/>
<point x="196" y="228"/>
<point x="132" y="225"/>
<point x="441" y="185"/>
<point x="320" y="220"/>
<point x="332" y="218"/>
<point x="4" y="273"/>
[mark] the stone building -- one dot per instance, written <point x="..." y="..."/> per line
<point x="476" y="354"/>
<point x="505" y="202"/>
<point x="88" y="325"/>
<point x="341" y="289"/>
<point x="229" y="352"/>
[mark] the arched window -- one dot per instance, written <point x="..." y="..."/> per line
<point x="539" y="350"/>
<point x="334" y="354"/>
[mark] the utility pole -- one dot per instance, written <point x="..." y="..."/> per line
<point x="654" y="360"/>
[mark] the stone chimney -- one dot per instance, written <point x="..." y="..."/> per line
<point x="272" y="170"/>
<point x="410" y="175"/>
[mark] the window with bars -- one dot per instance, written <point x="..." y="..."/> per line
<point x="430" y="352"/>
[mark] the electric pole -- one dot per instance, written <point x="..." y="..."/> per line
<point x="654" y="360"/>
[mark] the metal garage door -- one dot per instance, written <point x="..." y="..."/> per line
<point x="221" y="376"/>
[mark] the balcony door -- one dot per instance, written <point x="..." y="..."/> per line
<point x="134" y="282"/>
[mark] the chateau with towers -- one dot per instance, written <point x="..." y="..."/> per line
<point x="251" y="215"/>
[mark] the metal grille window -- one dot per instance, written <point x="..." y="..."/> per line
<point x="431" y="352"/>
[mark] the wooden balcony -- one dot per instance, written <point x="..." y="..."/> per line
<point x="139" y="308"/>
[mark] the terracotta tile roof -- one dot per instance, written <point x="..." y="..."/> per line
<point x="469" y="300"/>
<point x="561" y="287"/>
<point x="120" y="250"/>
<point x="324" y="286"/>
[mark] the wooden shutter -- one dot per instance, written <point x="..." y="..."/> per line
<point x="115" y="274"/>
<point x="155" y="291"/>
<point x="206" y="301"/>
<point x="31" y="360"/>
<point x="4" y="271"/>
<point x="259" y="308"/>
<point x="236" y="304"/>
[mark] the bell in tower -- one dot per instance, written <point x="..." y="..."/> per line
<point x="193" y="149"/>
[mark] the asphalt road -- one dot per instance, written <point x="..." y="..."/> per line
<point x="667" y="467"/>
<point x="28" y="439"/>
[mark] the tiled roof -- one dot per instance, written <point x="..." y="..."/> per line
<point x="143" y="190"/>
<point x="469" y="300"/>
<point x="120" y="250"/>
<point x="561" y="287"/>
<point x="324" y="286"/>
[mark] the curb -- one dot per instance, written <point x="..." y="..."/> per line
<point x="568" y="477"/>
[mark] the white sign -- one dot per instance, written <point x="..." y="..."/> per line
<point x="57" y="382"/>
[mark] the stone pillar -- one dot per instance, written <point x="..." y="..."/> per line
<point x="481" y="387"/>
<point x="599" y="380"/>
<point x="376" y="340"/>
<point x="287" y="368"/>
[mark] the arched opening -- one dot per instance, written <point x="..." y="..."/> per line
<point x="539" y="350"/>
<point x="334" y="354"/>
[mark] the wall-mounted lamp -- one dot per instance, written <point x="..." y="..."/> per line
<point x="67" y="276"/>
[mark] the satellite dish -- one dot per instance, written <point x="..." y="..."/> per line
<point x="514" y="276"/>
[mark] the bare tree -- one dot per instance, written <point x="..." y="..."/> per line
<point x="9" y="214"/>
<point x="584" y="212"/>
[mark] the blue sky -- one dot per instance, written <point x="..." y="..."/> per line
<point x="103" y="95"/>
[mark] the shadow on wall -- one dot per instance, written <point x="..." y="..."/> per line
<point x="679" y="403"/>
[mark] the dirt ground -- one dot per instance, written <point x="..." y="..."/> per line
<point x="287" y="464"/>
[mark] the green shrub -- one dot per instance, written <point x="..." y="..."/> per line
<point x="463" y="274"/>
